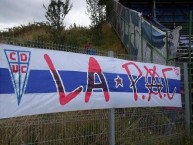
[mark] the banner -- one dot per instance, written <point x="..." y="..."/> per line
<point x="37" y="81"/>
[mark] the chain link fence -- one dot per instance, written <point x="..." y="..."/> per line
<point x="133" y="126"/>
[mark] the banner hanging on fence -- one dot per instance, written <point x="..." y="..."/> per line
<point x="37" y="81"/>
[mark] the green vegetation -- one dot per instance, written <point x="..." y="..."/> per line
<point x="75" y="36"/>
<point x="96" y="12"/>
<point x="100" y="36"/>
<point x="56" y="12"/>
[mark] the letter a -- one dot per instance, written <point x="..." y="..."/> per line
<point x="94" y="68"/>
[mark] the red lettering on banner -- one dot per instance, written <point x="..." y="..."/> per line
<point x="64" y="99"/>
<point x="155" y="86"/>
<point x="12" y="56"/>
<point x="23" y="69"/>
<point x="15" y="68"/>
<point x="95" y="69"/>
<point x="166" y="82"/>
<point x="154" y="83"/>
<point x="23" y="57"/>
<point x="133" y="81"/>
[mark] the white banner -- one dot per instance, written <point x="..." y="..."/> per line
<point x="37" y="81"/>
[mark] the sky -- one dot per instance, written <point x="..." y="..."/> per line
<point x="21" y="12"/>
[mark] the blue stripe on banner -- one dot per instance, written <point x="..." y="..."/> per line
<point x="6" y="85"/>
<point x="73" y="79"/>
<point x="41" y="81"/>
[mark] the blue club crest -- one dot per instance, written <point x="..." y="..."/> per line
<point x="18" y="64"/>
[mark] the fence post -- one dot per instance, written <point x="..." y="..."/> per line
<point x="189" y="64"/>
<point x="111" y="116"/>
<point x="187" y="99"/>
<point x="141" y="19"/>
<point x="167" y="48"/>
<point x="129" y="34"/>
<point x="152" y="44"/>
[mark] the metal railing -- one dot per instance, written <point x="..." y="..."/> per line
<point x="147" y="126"/>
<point x="129" y="24"/>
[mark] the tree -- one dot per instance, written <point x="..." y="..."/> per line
<point x="56" y="12"/>
<point x="109" y="7"/>
<point x="96" y="11"/>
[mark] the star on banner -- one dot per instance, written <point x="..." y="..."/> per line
<point x="118" y="81"/>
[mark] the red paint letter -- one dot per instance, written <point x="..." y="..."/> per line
<point x="133" y="81"/>
<point x="15" y="68"/>
<point x="64" y="99"/>
<point x="94" y="69"/>
<point x="23" y="57"/>
<point x="152" y="84"/>
<point x="166" y="81"/>
<point x="11" y="56"/>
<point x="23" y="69"/>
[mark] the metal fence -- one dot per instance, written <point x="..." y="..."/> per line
<point x="144" y="37"/>
<point x="132" y="126"/>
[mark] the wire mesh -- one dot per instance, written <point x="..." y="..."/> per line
<point x="137" y="126"/>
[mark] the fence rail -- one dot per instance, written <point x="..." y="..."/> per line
<point x="147" y="126"/>
<point x="132" y="126"/>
